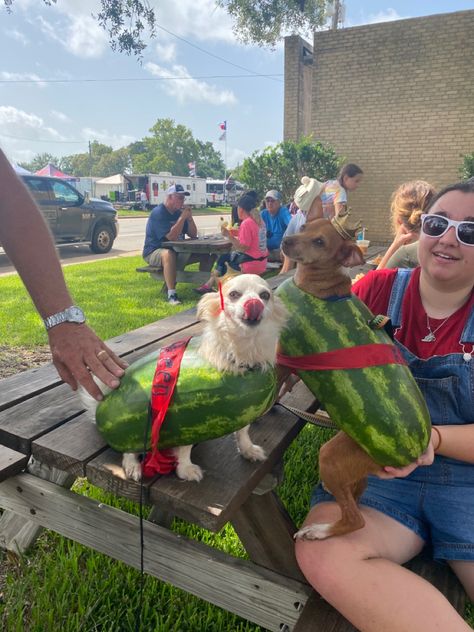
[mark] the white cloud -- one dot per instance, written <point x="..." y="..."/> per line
<point x="23" y="76"/>
<point x="60" y="116"/>
<point x="107" y="138"/>
<point x="166" y="52"/>
<point x="235" y="156"/>
<point x="22" y="125"/>
<point x="18" y="36"/>
<point x="184" y="88"/>
<point x="389" y="15"/>
<point x="82" y="36"/>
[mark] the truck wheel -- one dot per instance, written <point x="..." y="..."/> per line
<point x="102" y="240"/>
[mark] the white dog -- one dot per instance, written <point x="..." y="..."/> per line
<point x="242" y="335"/>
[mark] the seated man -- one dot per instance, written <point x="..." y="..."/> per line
<point x="167" y="222"/>
<point x="276" y="218"/>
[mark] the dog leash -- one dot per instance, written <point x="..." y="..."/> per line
<point x="320" y="418"/>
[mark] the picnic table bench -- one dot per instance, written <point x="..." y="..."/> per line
<point x="208" y="249"/>
<point x="42" y="418"/>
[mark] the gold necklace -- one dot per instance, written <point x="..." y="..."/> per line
<point x="430" y="336"/>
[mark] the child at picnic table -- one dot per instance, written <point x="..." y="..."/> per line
<point x="409" y="202"/>
<point x="249" y="248"/>
<point x="406" y="509"/>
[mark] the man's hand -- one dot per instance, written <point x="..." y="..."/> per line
<point x="78" y="354"/>
<point x="186" y="213"/>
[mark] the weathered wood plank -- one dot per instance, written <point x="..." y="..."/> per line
<point x="239" y="586"/>
<point x="11" y="462"/>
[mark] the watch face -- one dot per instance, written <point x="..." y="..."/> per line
<point x="75" y="315"/>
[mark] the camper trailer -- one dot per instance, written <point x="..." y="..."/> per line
<point x="158" y="183"/>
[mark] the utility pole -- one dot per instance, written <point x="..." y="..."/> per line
<point x="335" y="15"/>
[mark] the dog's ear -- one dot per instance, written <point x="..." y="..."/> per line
<point x="350" y="255"/>
<point x="209" y="306"/>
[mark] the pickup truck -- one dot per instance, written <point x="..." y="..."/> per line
<point x="72" y="217"/>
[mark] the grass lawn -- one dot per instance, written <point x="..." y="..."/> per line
<point x="60" y="586"/>
<point x="208" y="210"/>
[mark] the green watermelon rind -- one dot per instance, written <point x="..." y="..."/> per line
<point x="206" y="403"/>
<point x="380" y="407"/>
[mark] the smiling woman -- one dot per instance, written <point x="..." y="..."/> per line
<point x="432" y="310"/>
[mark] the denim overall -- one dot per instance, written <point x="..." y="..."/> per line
<point x="436" y="501"/>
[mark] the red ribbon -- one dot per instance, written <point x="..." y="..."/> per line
<point x="164" y="382"/>
<point x="358" y="357"/>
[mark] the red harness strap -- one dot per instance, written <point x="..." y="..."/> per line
<point x="164" y="382"/>
<point x="358" y="357"/>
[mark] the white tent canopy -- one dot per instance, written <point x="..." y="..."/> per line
<point x="20" y="170"/>
<point x="116" y="180"/>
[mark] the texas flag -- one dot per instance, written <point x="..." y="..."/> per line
<point x="223" y="127"/>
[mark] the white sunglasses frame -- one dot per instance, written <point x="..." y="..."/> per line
<point x="451" y="222"/>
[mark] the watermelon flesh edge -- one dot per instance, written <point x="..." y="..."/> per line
<point x="206" y="403"/>
<point x="380" y="407"/>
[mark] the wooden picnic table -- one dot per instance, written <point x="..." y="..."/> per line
<point x="207" y="249"/>
<point x="41" y="417"/>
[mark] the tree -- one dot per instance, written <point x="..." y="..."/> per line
<point x="171" y="148"/>
<point x="40" y="161"/>
<point x="126" y="22"/>
<point x="467" y="168"/>
<point x="264" y="22"/>
<point x="282" y="166"/>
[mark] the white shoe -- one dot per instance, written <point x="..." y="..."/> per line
<point x="174" y="300"/>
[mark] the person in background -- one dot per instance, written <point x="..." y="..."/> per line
<point x="167" y="222"/>
<point x="77" y="353"/>
<point x="406" y="509"/>
<point x="409" y="201"/>
<point x="334" y="193"/>
<point x="276" y="218"/>
<point x="249" y="249"/>
<point x="307" y="198"/>
<point x="143" y="200"/>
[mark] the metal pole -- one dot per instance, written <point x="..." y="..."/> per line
<point x="335" y="15"/>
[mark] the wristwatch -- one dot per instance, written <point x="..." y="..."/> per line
<point x="71" y="314"/>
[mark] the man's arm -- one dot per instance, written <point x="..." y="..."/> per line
<point x="178" y="226"/>
<point x="27" y="241"/>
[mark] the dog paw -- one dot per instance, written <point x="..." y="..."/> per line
<point x="313" y="532"/>
<point x="189" y="472"/>
<point x="253" y="453"/>
<point x="132" y="467"/>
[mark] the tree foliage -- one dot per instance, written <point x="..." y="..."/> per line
<point x="125" y="21"/>
<point x="282" y="166"/>
<point x="264" y="22"/>
<point x="261" y="22"/>
<point x="467" y="168"/>
<point x="170" y="148"/>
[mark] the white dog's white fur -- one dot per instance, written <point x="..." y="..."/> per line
<point x="244" y="335"/>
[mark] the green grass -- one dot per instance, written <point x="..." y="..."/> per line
<point x="61" y="586"/>
<point x="124" y="212"/>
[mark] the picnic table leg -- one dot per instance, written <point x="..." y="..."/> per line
<point x="260" y="514"/>
<point x="16" y="534"/>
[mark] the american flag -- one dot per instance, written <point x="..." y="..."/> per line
<point x="192" y="168"/>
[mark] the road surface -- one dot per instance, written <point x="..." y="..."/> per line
<point x="129" y="242"/>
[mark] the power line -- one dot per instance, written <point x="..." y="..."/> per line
<point x="226" y="61"/>
<point x="39" y="140"/>
<point x="133" y="79"/>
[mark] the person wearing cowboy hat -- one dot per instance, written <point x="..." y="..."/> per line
<point x="307" y="198"/>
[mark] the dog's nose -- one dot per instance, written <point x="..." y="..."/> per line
<point x="253" y="309"/>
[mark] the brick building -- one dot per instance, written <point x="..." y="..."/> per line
<point x="397" y="98"/>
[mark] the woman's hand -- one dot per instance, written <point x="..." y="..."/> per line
<point x="426" y="458"/>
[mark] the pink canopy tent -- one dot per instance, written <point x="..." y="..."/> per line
<point x="51" y="170"/>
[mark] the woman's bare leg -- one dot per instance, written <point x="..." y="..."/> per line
<point x="361" y="575"/>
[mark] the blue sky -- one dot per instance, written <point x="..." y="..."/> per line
<point x="194" y="44"/>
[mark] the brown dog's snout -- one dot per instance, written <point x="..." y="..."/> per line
<point x="253" y="309"/>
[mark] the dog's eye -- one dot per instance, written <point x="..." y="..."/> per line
<point x="265" y="296"/>
<point x="318" y="242"/>
<point x="234" y="295"/>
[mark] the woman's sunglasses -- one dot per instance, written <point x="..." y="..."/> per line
<point x="437" y="225"/>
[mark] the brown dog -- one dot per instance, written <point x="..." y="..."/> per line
<point x="321" y="250"/>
